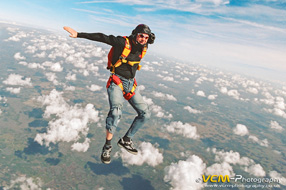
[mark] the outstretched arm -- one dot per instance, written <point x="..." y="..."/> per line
<point x="100" y="37"/>
<point x="71" y="31"/>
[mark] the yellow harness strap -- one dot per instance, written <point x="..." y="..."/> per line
<point x="126" y="51"/>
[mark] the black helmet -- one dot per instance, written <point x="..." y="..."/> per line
<point x="143" y="28"/>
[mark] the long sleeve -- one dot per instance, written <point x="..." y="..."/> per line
<point x="100" y="37"/>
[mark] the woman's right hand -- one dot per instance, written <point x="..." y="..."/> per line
<point x="71" y="31"/>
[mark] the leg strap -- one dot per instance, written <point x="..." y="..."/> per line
<point x="118" y="82"/>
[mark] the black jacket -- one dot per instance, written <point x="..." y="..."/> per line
<point x="118" y="43"/>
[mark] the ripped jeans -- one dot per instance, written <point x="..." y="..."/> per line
<point x="116" y="100"/>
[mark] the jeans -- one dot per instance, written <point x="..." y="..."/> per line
<point x="116" y="100"/>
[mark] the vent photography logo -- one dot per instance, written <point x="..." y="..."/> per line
<point x="216" y="178"/>
<point x="237" y="178"/>
<point x="230" y="182"/>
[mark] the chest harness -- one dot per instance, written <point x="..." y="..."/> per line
<point x="122" y="60"/>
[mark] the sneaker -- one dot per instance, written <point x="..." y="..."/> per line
<point x="127" y="145"/>
<point x="105" y="155"/>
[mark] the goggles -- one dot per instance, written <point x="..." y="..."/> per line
<point x="142" y="35"/>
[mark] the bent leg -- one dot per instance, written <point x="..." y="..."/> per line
<point x="115" y="102"/>
<point x="143" y="112"/>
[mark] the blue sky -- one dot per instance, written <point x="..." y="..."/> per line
<point x="246" y="35"/>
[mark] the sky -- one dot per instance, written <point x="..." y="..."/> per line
<point x="248" y="36"/>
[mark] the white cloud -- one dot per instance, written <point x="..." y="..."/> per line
<point x="23" y="63"/>
<point x="275" y="125"/>
<point x="201" y="93"/>
<point x="148" y="68"/>
<point x="247" y="83"/>
<point x="260" y="142"/>
<point x="35" y="66"/>
<point x="10" y="29"/>
<point x="279" y="112"/>
<point x="157" y="63"/>
<point x="17" y="37"/>
<point x="183" y="174"/>
<point x="157" y="110"/>
<point x="223" y="90"/>
<point x="84" y="72"/>
<point x="25" y="183"/>
<point x="200" y="80"/>
<point x="267" y="94"/>
<point x="252" y="90"/>
<point x="3" y="99"/>
<point x="233" y="93"/>
<point x="77" y="60"/>
<point x="40" y="55"/>
<point x="240" y="130"/>
<point x="47" y="63"/>
<point x="185" y="79"/>
<point x="163" y="85"/>
<point x="167" y="78"/>
<point x="52" y="78"/>
<point x="280" y="104"/>
<point x="215" y="2"/>
<point x="141" y="87"/>
<point x="94" y="87"/>
<point x="30" y="49"/>
<point x="229" y="157"/>
<point x="147" y="153"/>
<point x="225" y="159"/>
<point x="14" y="90"/>
<point x="57" y="53"/>
<point x="186" y="129"/>
<point x="192" y="110"/>
<point x="164" y="96"/>
<point x="148" y="101"/>
<point x="56" y="67"/>
<point x="256" y="170"/>
<point x="170" y="97"/>
<point x="17" y="80"/>
<point x="18" y="56"/>
<point x="223" y="168"/>
<point x="70" y="88"/>
<point x="81" y="147"/>
<point x="276" y="175"/>
<point x="212" y="97"/>
<point x="70" y="124"/>
<point x="71" y="76"/>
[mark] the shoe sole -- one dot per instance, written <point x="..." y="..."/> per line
<point x="105" y="162"/>
<point x="134" y="153"/>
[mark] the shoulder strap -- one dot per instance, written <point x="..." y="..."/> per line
<point x="144" y="50"/>
<point x="127" y="48"/>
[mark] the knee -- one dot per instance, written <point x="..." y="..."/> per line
<point x="146" y="114"/>
<point x="115" y="112"/>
